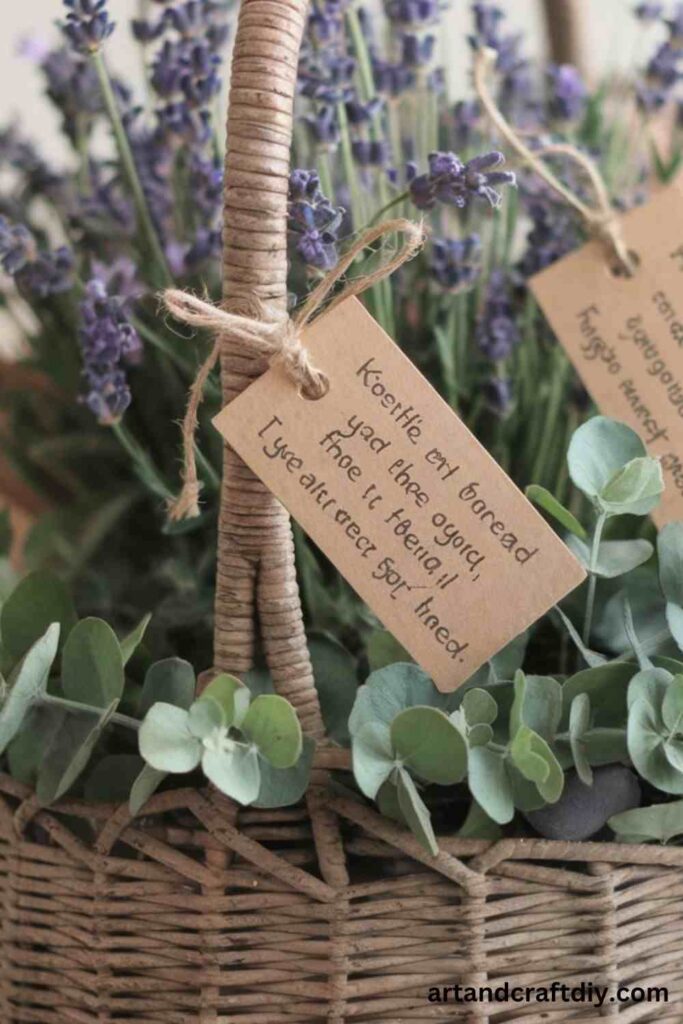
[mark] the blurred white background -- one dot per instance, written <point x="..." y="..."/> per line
<point x="611" y="41"/>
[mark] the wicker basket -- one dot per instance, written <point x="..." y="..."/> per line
<point x="326" y="913"/>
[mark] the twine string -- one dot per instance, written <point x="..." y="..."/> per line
<point x="601" y="220"/>
<point x="270" y="334"/>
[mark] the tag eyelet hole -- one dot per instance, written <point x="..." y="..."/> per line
<point x="616" y="269"/>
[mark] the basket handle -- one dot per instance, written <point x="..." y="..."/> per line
<point x="256" y="573"/>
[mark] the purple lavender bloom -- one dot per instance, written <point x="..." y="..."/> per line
<point x="466" y="119"/>
<point x="554" y="231"/>
<point x="511" y="65"/>
<point x="87" y="24"/>
<point x="661" y="75"/>
<point x="145" y="31"/>
<point x="568" y="94"/>
<point x="498" y="394"/>
<point x="455" y="263"/>
<point x="324" y="127"/>
<point x="649" y="11"/>
<point x="371" y="153"/>
<point x="497" y="332"/>
<point x="40" y="273"/>
<point x="359" y="112"/>
<point x="108" y="343"/>
<point x="327" y="75"/>
<point x="413" y="13"/>
<point x="20" y="154"/>
<point x="417" y="51"/>
<point x="313" y="221"/>
<point x="675" y="26"/>
<point x="73" y="87"/>
<point x="455" y="183"/>
<point x="49" y="274"/>
<point x="392" y="79"/>
<point x="17" y="247"/>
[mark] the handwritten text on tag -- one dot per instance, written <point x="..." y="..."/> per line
<point x="625" y="335"/>
<point x="402" y="498"/>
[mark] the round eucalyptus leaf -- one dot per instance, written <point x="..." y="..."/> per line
<point x="387" y="801"/>
<point x="537" y="704"/>
<point x="615" y="557"/>
<point x="373" y="757"/>
<point x="28" y="685"/>
<point x="40" y="600"/>
<point x="204" y="717"/>
<point x="282" y="787"/>
<point x="69" y="753"/>
<point x="145" y="785"/>
<point x="670" y="554"/>
<point x="527" y="750"/>
<point x="646" y="748"/>
<point x="111" y="779"/>
<point x="391" y="690"/>
<point x="479" y="735"/>
<point x="674" y="754"/>
<point x="529" y="761"/>
<point x="598" y="450"/>
<point x="606" y="686"/>
<point x="131" y="642"/>
<point x="430" y="744"/>
<point x="635" y="489"/>
<point x="545" y="500"/>
<point x="170" y="681"/>
<point x="335" y="671"/>
<point x="490" y="784"/>
<point x="92" y="664"/>
<point x="166" y="742"/>
<point x="660" y="823"/>
<point x="271" y="723"/>
<point x="650" y="684"/>
<point x="235" y="771"/>
<point x="478" y="824"/>
<point x="672" y="705"/>
<point x="579" y="724"/>
<point x="479" y="707"/>
<point x="415" y="813"/>
<point x="674" y="620"/>
<point x="223" y="692"/>
<point x="26" y="751"/>
<point x="383" y="649"/>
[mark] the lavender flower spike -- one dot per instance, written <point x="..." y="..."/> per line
<point x="108" y="342"/>
<point x="568" y="92"/>
<point x="87" y="24"/>
<point x="455" y="183"/>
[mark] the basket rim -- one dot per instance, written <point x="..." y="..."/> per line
<point x="506" y="849"/>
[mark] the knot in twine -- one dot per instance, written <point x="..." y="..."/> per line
<point x="601" y="220"/>
<point x="269" y="334"/>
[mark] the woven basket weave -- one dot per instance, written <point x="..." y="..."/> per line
<point x="197" y="913"/>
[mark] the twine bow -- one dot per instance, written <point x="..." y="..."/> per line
<point x="601" y="220"/>
<point x="270" y="334"/>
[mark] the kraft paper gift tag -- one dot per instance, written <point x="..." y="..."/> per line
<point x="401" y="497"/>
<point x="624" y="334"/>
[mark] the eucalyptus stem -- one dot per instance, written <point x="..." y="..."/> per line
<point x="593" y="579"/>
<point x="130" y="170"/>
<point x="71" y="705"/>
